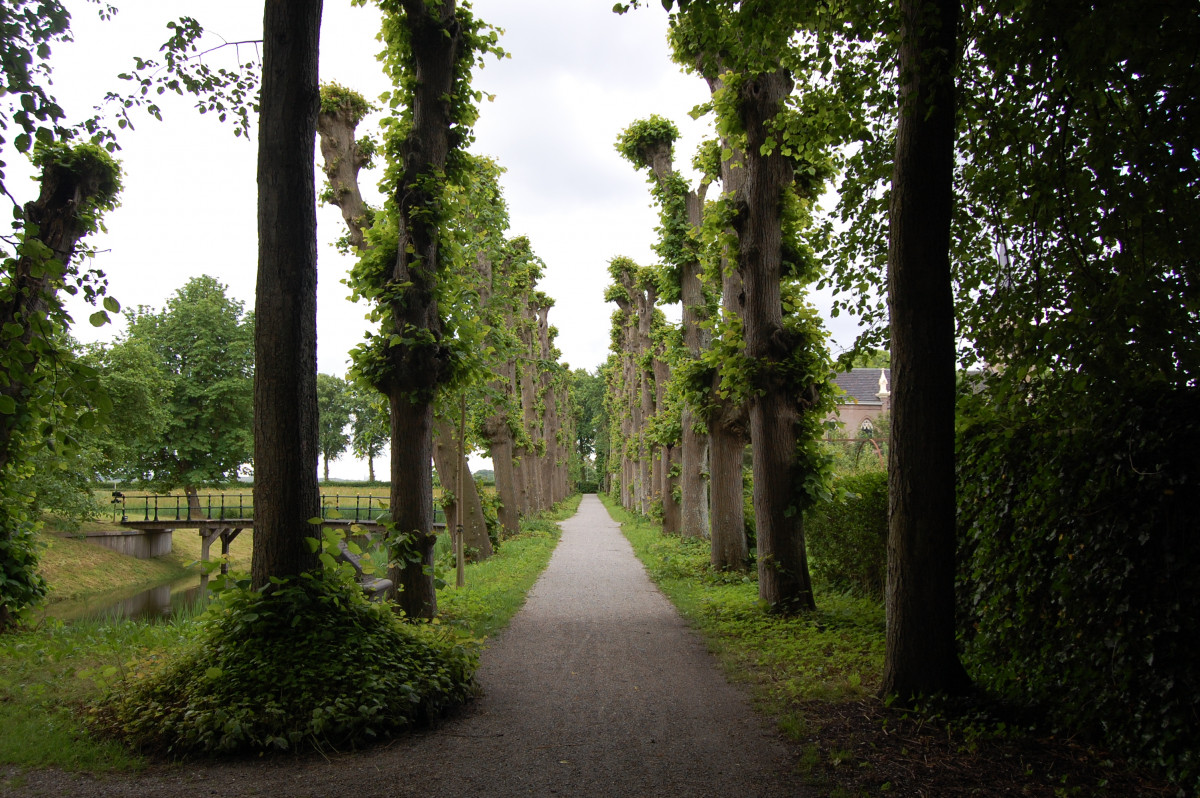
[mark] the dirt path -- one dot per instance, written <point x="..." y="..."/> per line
<point x="597" y="688"/>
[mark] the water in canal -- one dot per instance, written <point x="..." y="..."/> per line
<point x="156" y="603"/>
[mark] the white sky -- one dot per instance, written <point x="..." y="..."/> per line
<point x="578" y="75"/>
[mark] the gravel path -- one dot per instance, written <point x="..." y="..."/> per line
<point x="597" y="688"/>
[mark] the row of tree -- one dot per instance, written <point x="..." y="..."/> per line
<point x="461" y="320"/>
<point x="1018" y="190"/>
<point x="504" y="389"/>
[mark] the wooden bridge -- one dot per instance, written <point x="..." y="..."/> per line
<point x="221" y="516"/>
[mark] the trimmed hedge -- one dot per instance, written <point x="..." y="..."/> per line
<point x="1079" y="583"/>
<point x="847" y="536"/>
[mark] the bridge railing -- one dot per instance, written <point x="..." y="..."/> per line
<point x="151" y="507"/>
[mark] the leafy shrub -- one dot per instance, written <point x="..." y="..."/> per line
<point x="847" y="536"/>
<point x="309" y="663"/>
<point x="1079" y="590"/>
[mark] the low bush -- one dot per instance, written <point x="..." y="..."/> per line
<point x="308" y="664"/>
<point x="847" y="536"/>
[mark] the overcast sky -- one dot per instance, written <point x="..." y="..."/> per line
<point x="578" y="75"/>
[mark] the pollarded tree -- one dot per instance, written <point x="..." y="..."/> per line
<point x="333" y="416"/>
<point x="648" y="144"/>
<point x="752" y="58"/>
<point x="430" y="50"/>
<point x="632" y="290"/>
<point x="203" y="346"/>
<point x="78" y="184"/>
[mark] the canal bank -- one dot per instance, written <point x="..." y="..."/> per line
<point x="79" y="572"/>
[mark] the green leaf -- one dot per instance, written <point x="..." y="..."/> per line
<point x="112" y="305"/>
<point x="99" y="318"/>
<point x="8" y="405"/>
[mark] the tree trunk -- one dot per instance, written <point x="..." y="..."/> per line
<point x="33" y="284"/>
<point x="285" y="376"/>
<point x="920" y="655"/>
<point x="412" y="504"/>
<point x="343" y="160"/>
<point x="415" y="370"/>
<point x="193" y="502"/>
<point x="448" y="459"/>
<point x="783" y="578"/>
<point x="693" y="488"/>
<point x="668" y="455"/>
<point x="692" y="508"/>
<point x="501" y="446"/>
<point x="727" y="441"/>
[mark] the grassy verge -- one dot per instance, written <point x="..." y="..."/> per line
<point x="43" y="699"/>
<point x="495" y="588"/>
<point x="818" y="675"/>
<point x="834" y="654"/>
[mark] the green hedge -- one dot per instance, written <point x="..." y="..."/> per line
<point x="1079" y="584"/>
<point x="847" y="537"/>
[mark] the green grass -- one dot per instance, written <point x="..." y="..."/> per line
<point x="833" y="654"/>
<point x="495" y="588"/>
<point x="44" y="697"/>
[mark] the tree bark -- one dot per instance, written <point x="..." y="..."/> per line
<point x="285" y="385"/>
<point x="412" y="504"/>
<point x="500" y="444"/>
<point x="693" y="488"/>
<point x="448" y="459"/>
<point x="783" y="577"/>
<point x="920" y="655"/>
<point x="729" y="549"/>
<point x="415" y="371"/>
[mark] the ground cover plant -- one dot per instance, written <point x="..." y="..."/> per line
<point x="43" y="698"/>
<point x="308" y="662"/>
<point x="818" y="674"/>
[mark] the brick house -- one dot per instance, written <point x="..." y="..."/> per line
<point x="866" y="396"/>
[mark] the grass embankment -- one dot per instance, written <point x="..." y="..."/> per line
<point x="43" y="699"/>
<point x="76" y="570"/>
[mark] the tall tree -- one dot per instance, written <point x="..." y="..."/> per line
<point x="587" y="402"/>
<point x="369" y="425"/>
<point x="430" y="49"/>
<point x="202" y="347"/>
<point x="333" y="416"/>
<point x="774" y="105"/>
<point x="649" y="144"/>
<point x="920" y="655"/>
<point x="78" y="184"/>
<point x="286" y="493"/>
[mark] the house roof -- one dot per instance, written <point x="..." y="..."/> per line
<point x="861" y="386"/>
